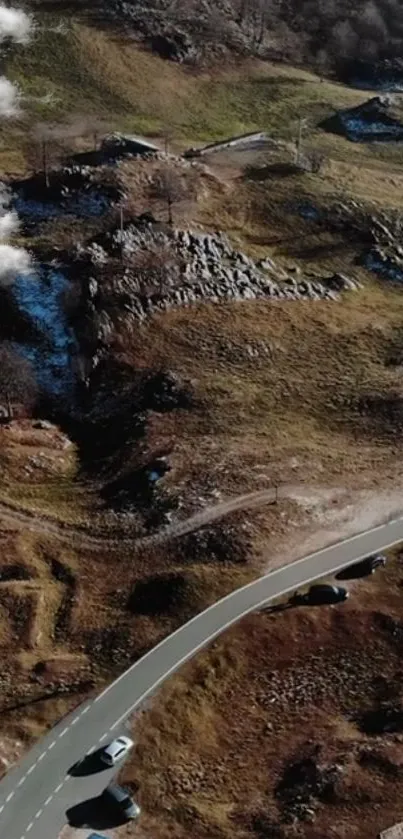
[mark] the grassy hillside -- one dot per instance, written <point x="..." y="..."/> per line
<point x="94" y="74"/>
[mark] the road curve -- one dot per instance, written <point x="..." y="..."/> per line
<point x="35" y="795"/>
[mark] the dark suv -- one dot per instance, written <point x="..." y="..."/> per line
<point x="319" y="594"/>
<point x="323" y="593"/>
<point x="119" y="799"/>
<point x="363" y="568"/>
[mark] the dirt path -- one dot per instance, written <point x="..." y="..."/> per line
<point x="336" y="513"/>
<point x="17" y="516"/>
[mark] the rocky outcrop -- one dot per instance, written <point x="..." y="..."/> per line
<point x="78" y="190"/>
<point x="379" y="119"/>
<point x="177" y="34"/>
<point x="205" y="267"/>
<point x="385" y="256"/>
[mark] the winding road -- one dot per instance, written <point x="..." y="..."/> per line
<point x="36" y="794"/>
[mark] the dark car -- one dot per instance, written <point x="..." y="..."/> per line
<point x="119" y="799"/>
<point x="363" y="568"/>
<point x="372" y="563"/>
<point x="323" y="593"/>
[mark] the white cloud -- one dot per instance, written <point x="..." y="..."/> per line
<point x="16" y="24"/>
<point x="9" y="224"/>
<point x="13" y="261"/>
<point x="9" y="98"/>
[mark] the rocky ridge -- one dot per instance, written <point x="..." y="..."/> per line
<point x="204" y="267"/>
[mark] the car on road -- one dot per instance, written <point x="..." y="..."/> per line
<point x="118" y="798"/>
<point x="116" y="750"/>
<point x="322" y="593"/>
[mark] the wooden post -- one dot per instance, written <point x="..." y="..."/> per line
<point x="45" y="162"/>
<point x="9" y="406"/>
<point x="121" y="233"/>
<point x="298" y="142"/>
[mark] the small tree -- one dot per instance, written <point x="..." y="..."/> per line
<point x="171" y="187"/>
<point x="46" y="148"/>
<point x="17" y="379"/>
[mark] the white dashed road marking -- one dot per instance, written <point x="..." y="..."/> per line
<point x="58" y="788"/>
<point x="31" y="769"/>
<point x="62" y="733"/>
<point x="1" y="808"/>
<point x="30" y="826"/>
<point x="21" y="781"/>
<point x="51" y="745"/>
<point x="48" y="800"/>
<point x="39" y="813"/>
<point x="9" y="797"/>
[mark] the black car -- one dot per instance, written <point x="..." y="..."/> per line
<point x="373" y="562"/>
<point x="363" y="568"/>
<point x="322" y="593"/>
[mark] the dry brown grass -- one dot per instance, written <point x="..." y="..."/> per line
<point x="214" y="743"/>
<point x="299" y="399"/>
<point x="290" y="412"/>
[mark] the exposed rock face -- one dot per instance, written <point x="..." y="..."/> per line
<point x="178" y="34"/>
<point x="385" y="256"/>
<point x="205" y="268"/>
<point x="78" y="190"/>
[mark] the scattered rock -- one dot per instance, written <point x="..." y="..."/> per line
<point x="204" y="267"/>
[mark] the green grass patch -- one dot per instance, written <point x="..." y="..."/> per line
<point x="99" y="74"/>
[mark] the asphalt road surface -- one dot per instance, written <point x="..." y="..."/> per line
<point x="35" y="796"/>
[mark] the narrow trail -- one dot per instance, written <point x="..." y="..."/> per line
<point x="36" y="522"/>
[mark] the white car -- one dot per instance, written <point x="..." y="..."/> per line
<point x="116" y="750"/>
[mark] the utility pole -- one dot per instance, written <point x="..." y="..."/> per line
<point x="121" y="233"/>
<point x="45" y="162"/>
<point x="298" y="143"/>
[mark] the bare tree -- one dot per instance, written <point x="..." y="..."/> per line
<point x="171" y="187"/>
<point x="17" y="379"/>
<point x="45" y="149"/>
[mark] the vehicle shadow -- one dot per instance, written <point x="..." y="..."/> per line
<point x="93" y="814"/>
<point x="89" y="765"/>
<point x="277" y="607"/>
<point x="353" y="572"/>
